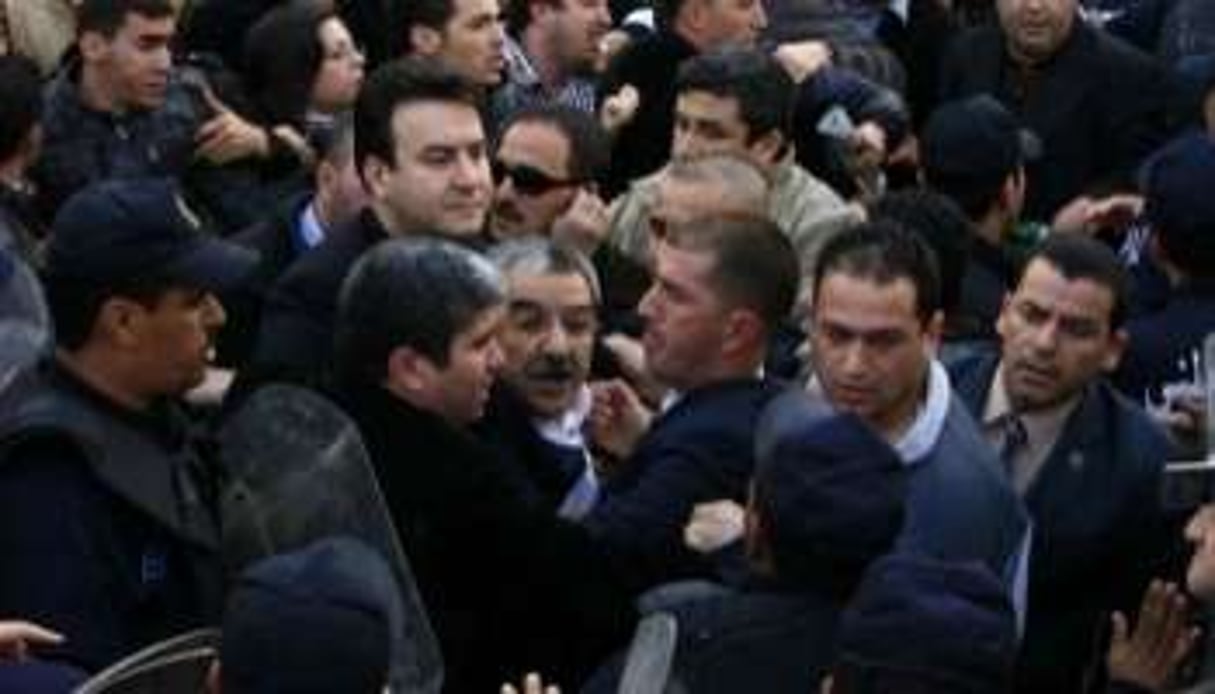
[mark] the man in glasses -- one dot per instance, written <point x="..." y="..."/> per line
<point x="545" y="167"/>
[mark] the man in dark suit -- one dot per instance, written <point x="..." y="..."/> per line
<point x="297" y="226"/>
<point x="827" y="500"/>
<point x="504" y="581"/>
<point x="421" y="153"/>
<point x="1097" y="104"/>
<point x="722" y="286"/>
<point x="1086" y="461"/>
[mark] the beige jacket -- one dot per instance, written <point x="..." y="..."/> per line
<point x="805" y="208"/>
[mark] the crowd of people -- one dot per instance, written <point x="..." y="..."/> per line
<point x="857" y="337"/>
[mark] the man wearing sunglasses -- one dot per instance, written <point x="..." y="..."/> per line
<point x="545" y="167"/>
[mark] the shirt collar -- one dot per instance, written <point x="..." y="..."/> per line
<point x="310" y="231"/>
<point x="921" y="437"/>
<point x="566" y="428"/>
<point x="518" y="66"/>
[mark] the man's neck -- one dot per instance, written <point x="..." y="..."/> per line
<point x="419" y="402"/>
<point x="547" y="68"/>
<point x="97" y="370"/>
<point x="393" y="226"/>
<point x="690" y="36"/>
<point x="322" y="209"/>
<point x="97" y="93"/>
<point x="12" y="172"/>
<point x="992" y="228"/>
<point x="895" y="424"/>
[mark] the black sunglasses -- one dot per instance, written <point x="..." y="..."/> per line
<point x="528" y="180"/>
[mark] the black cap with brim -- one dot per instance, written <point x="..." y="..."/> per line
<point x="140" y="230"/>
<point x="976" y="137"/>
<point x="213" y="265"/>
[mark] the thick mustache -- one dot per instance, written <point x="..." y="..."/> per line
<point x="551" y="370"/>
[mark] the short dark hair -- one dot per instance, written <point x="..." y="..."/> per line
<point x="941" y="224"/>
<point x="1079" y="257"/>
<point x="396" y="84"/>
<point x="21" y="107"/>
<point x="434" y="14"/>
<point x="884" y="251"/>
<point x="283" y="54"/>
<point x="590" y="147"/>
<point x="763" y="89"/>
<point x="75" y="306"/>
<point x="518" y="13"/>
<point x="419" y="293"/>
<point x="106" y="17"/>
<point x="665" y="12"/>
<point x="755" y="265"/>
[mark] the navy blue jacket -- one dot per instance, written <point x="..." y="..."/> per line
<point x="507" y="585"/>
<point x="102" y="538"/>
<point x="959" y="508"/>
<point x="764" y="639"/>
<point x="1161" y="344"/>
<point x="1099" y="534"/>
<point x="701" y="449"/>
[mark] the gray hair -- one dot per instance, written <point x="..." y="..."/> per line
<point x="743" y="183"/>
<point x="539" y="255"/>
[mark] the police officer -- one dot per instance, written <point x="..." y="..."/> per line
<point x="108" y="527"/>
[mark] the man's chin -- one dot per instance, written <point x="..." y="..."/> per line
<point x="462" y="227"/>
<point x="548" y="402"/>
<point x="504" y="228"/>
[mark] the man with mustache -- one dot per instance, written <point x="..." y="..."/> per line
<point x="545" y="167"/>
<point x="507" y="585"/>
<point x="1086" y="461"/>
<point x="109" y="516"/>
<point x="541" y="405"/>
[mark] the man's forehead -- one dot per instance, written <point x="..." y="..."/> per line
<point x="431" y="122"/>
<point x="698" y="104"/>
<point x="463" y="10"/>
<point x="1046" y="287"/>
<point x="559" y="289"/>
<point x="536" y="143"/>
<point x="845" y="297"/>
<point x="143" y="25"/>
